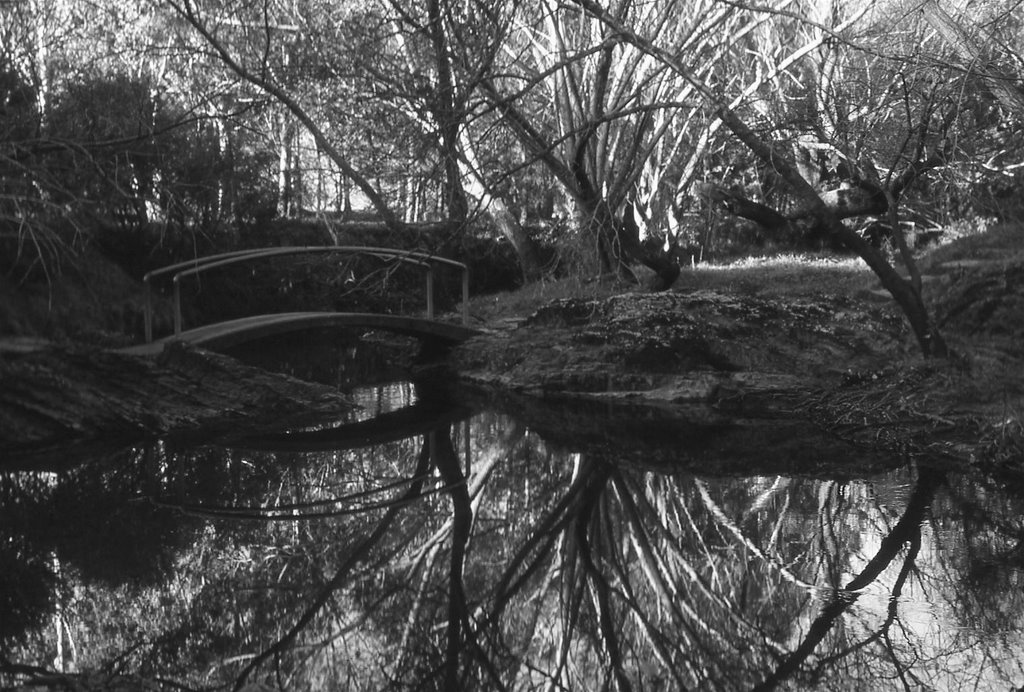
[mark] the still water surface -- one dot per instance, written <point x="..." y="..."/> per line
<point x="452" y="547"/>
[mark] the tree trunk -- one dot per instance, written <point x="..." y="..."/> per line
<point x="614" y="245"/>
<point x="448" y="115"/>
<point x="618" y="240"/>
<point x="833" y="207"/>
<point x="666" y="269"/>
<point x="597" y="221"/>
<point x="224" y="206"/>
<point x="738" y="205"/>
<point x="284" y="168"/>
<point x="523" y="244"/>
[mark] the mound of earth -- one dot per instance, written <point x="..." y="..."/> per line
<point x="100" y="400"/>
<point x="685" y="347"/>
<point x="850" y="367"/>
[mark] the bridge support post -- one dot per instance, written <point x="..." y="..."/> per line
<point x="147" y="314"/>
<point x="430" y="292"/>
<point x="177" y="307"/>
<point x="465" y="296"/>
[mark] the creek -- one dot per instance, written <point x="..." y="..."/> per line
<point x="431" y="541"/>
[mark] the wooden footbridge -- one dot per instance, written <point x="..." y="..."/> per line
<point x="233" y="332"/>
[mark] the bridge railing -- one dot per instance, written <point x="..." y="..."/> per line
<point x="198" y="265"/>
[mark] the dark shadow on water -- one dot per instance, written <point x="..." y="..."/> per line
<point x="696" y="438"/>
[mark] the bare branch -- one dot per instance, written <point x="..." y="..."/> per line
<point x="187" y="11"/>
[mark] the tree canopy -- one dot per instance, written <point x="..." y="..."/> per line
<point x="618" y="135"/>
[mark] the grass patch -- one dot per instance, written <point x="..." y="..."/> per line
<point x="782" y="276"/>
<point x="789" y="275"/>
<point x="524" y="301"/>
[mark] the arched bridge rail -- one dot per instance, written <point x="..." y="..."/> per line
<point x="410" y="421"/>
<point x="221" y="335"/>
<point x="198" y="265"/>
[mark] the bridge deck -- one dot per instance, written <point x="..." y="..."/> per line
<point x="232" y="332"/>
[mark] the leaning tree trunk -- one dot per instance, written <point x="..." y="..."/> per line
<point x="494" y="206"/>
<point x="906" y="296"/>
<point x="522" y="242"/>
<point x="825" y="211"/>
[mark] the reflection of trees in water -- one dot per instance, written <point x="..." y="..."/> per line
<point x="627" y="579"/>
<point x="474" y="557"/>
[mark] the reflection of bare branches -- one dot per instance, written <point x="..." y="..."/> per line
<point x="447" y="463"/>
<point x="586" y="525"/>
<point x="894" y="600"/>
<point x="656" y="574"/>
<point x="354" y="557"/>
<point x="523" y="566"/>
<point x="300" y="511"/>
<point x="539" y="544"/>
<point x="712" y="589"/>
<point x="427" y="562"/>
<point x="882" y="632"/>
<point x="907" y="530"/>
<point x="559" y="571"/>
<point x="477" y="484"/>
<point x="731" y="527"/>
<point x="828" y="511"/>
<point x="425" y="556"/>
<point x="659" y="578"/>
<point x="466" y="495"/>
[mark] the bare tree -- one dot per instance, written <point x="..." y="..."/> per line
<point x="814" y="205"/>
<point x="595" y="131"/>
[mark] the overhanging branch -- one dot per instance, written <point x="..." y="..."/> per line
<point x="186" y="10"/>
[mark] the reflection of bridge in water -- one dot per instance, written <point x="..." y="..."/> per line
<point x="233" y="332"/>
<point x="413" y="420"/>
